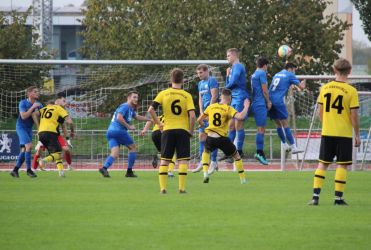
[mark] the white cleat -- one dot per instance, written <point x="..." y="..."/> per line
<point x="69" y="168"/>
<point x="61" y="173"/>
<point x="243" y="181"/>
<point x="286" y="147"/>
<point x="170" y="174"/>
<point x="295" y="150"/>
<point x="213" y="167"/>
<point x="198" y="169"/>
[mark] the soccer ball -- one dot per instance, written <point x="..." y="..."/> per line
<point x="284" y="51"/>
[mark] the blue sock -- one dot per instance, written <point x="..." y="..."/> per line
<point x="202" y="144"/>
<point x="214" y="154"/>
<point x="240" y="139"/>
<point x="232" y="135"/>
<point x="109" y="161"/>
<point x="289" y="136"/>
<point x="20" y="160"/>
<point x="281" y="135"/>
<point x="259" y="140"/>
<point x="131" y="159"/>
<point x="28" y="159"/>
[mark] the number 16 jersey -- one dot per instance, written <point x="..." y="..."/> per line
<point x="50" y="118"/>
<point x="219" y="118"/>
<point x="337" y="99"/>
<point x="175" y="106"/>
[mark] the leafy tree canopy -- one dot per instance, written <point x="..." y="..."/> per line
<point x="364" y="8"/>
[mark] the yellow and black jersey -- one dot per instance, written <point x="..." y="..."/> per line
<point x="50" y="118"/>
<point x="219" y="118"/>
<point x="175" y="106"/>
<point x="337" y="99"/>
<point x="162" y="120"/>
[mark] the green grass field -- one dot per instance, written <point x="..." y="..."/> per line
<point x="85" y="211"/>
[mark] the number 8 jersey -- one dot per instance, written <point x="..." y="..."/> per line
<point x="337" y="99"/>
<point x="50" y="117"/>
<point x="219" y="118"/>
<point x="175" y="106"/>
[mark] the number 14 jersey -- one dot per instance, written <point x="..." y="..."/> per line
<point x="219" y="118"/>
<point x="175" y="106"/>
<point x="337" y="99"/>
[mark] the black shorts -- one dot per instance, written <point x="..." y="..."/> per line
<point x="156" y="138"/>
<point x="222" y="143"/>
<point x="50" y="141"/>
<point x="341" y="147"/>
<point x="175" y="140"/>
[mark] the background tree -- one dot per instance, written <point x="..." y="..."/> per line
<point x="17" y="42"/>
<point x="364" y="8"/>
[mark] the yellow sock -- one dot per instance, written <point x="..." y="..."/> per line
<point x="340" y="181"/>
<point x="58" y="161"/>
<point x="319" y="177"/>
<point x="183" y="167"/>
<point x="52" y="157"/>
<point x="172" y="164"/>
<point x="162" y="176"/>
<point x="241" y="171"/>
<point x="205" y="159"/>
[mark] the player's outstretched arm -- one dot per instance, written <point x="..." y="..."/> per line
<point x="146" y="127"/>
<point x="241" y="115"/>
<point x="141" y="118"/>
<point x="71" y="125"/>
<point x="201" y="119"/>
<point x="36" y="119"/>
<point x="152" y="112"/>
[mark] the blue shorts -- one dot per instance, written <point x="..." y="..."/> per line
<point x="260" y="114"/>
<point x="202" y="129"/>
<point x="237" y="104"/>
<point x="278" y="112"/>
<point x="24" y="135"/>
<point x="118" y="137"/>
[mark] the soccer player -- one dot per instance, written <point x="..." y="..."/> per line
<point x="208" y="89"/>
<point x="260" y="105"/>
<point x="65" y="143"/>
<point x="117" y="134"/>
<point x="277" y="91"/>
<point x="28" y="115"/>
<point x="179" y="111"/>
<point x="50" y="118"/>
<point x="338" y="109"/>
<point x="219" y="115"/>
<point x="156" y="139"/>
<point x="236" y="82"/>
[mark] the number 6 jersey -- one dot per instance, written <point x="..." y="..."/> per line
<point x="219" y="118"/>
<point x="175" y="106"/>
<point x="337" y="99"/>
<point x="50" y="117"/>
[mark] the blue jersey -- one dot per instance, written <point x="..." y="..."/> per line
<point x="236" y="81"/>
<point x="24" y="106"/>
<point x="257" y="80"/>
<point x="204" y="88"/>
<point x="280" y="84"/>
<point x="127" y="112"/>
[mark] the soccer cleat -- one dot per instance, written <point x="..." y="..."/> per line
<point x="104" y="172"/>
<point x="182" y="192"/>
<point x="163" y="191"/>
<point x="286" y="147"/>
<point x="155" y="161"/>
<point x="340" y="202"/>
<point x="206" y="179"/>
<point x="31" y="174"/>
<point x="198" y="169"/>
<point x="213" y="167"/>
<point x="170" y="174"/>
<point x="69" y="168"/>
<point x="295" y="150"/>
<point x="243" y="181"/>
<point x="313" y="202"/>
<point x="61" y="173"/>
<point x="14" y="174"/>
<point x="130" y="174"/>
<point x="261" y="159"/>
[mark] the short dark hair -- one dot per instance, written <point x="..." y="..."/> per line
<point x="132" y="92"/>
<point x="203" y="67"/>
<point x="290" y="65"/>
<point x="343" y="66"/>
<point x="226" y="92"/>
<point x="31" y="88"/>
<point x="177" y="75"/>
<point x="261" y="62"/>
